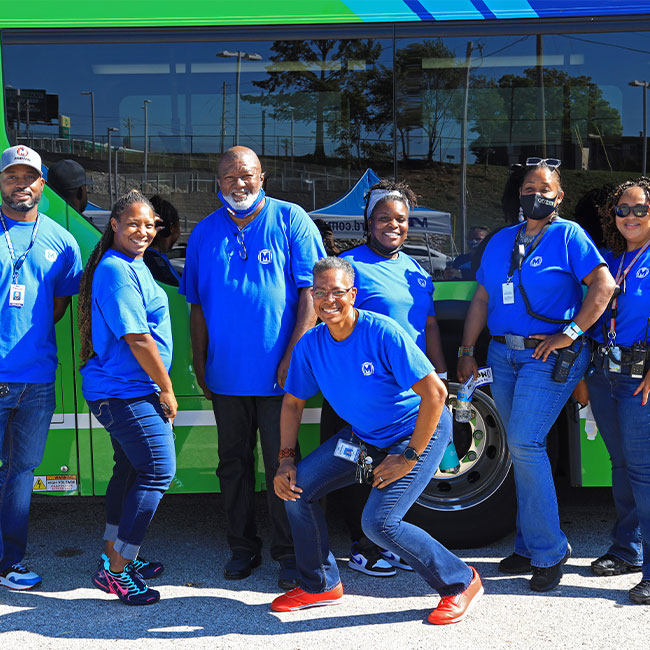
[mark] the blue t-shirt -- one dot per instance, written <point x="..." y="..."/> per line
<point x="367" y="377"/>
<point x="552" y="277"/>
<point x="399" y="288"/>
<point x="250" y="305"/>
<point x="125" y="300"/>
<point x="633" y="305"/>
<point x="52" y="269"/>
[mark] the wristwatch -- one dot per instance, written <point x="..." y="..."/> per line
<point x="411" y="455"/>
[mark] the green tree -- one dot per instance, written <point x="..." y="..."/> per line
<point x="311" y="79"/>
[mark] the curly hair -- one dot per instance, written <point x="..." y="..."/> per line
<point x="614" y="241"/>
<point x="84" y="307"/>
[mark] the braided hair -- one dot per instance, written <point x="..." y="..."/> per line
<point x="84" y="308"/>
<point x="614" y="241"/>
<point x="407" y="197"/>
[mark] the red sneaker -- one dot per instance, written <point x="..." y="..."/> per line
<point x="452" y="609"/>
<point x="299" y="599"/>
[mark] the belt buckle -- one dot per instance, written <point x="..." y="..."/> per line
<point x="515" y="342"/>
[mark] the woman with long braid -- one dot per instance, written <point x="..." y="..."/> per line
<point x="126" y="354"/>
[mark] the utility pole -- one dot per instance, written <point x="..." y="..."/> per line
<point x="146" y="137"/>
<point x="223" y="118"/>
<point x="463" y="150"/>
<point x="541" y="103"/>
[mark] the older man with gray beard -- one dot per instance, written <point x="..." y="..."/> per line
<point x="247" y="278"/>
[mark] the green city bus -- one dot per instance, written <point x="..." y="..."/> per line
<point x="444" y="95"/>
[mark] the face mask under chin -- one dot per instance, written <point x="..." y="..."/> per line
<point x="536" y="206"/>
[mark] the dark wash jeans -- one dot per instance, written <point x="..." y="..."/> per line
<point x="624" y="424"/>
<point x="238" y="419"/>
<point x="145" y="463"/>
<point x="25" y="416"/>
<point x="382" y="521"/>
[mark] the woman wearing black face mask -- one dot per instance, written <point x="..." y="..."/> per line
<point x="530" y="296"/>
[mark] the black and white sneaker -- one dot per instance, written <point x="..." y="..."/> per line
<point x="395" y="560"/>
<point x="366" y="557"/>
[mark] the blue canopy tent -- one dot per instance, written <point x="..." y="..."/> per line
<point x="345" y="216"/>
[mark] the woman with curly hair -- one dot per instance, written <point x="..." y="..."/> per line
<point x="619" y="382"/>
<point x="126" y="353"/>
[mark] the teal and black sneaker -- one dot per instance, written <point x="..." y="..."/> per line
<point x="128" y="586"/>
<point x="146" y="569"/>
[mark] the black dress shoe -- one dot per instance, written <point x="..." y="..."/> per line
<point x="641" y="593"/>
<point x="546" y="577"/>
<point x="241" y="564"/>
<point x="610" y="565"/>
<point x="515" y="564"/>
<point x="288" y="577"/>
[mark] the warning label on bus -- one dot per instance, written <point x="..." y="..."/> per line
<point x="56" y="483"/>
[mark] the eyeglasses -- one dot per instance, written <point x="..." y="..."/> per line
<point x="243" y="254"/>
<point x="551" y="163"/>
<point x="638" y="210"/>
<point x="319" y="294"/>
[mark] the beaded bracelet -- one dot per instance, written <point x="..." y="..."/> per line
<point x="466" y="351"/>
<point x="287" y="452"/>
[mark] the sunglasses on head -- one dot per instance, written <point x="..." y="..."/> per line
<point x="551" y="163"/>
<point x="638" y="210"/>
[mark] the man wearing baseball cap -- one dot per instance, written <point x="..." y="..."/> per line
<point x="40" y="269"/>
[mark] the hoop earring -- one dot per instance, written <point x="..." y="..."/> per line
<point x="521" y="215"/>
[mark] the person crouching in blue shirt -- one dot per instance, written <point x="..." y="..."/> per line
<point x="379" y="381"/>
<point x="126" y="353"/>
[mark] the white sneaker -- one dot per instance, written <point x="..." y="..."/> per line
<point x="366" y="557"/>
<point x="395" y="560"/>
<point x="19" y="577"/>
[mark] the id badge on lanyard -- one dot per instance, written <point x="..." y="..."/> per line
<point x="508" y="292"/>
<point x="16" y="295"/>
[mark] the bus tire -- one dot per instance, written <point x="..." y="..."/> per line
<point x="477" y="505"/>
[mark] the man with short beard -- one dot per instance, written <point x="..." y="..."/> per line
<point x="40" y="269"/>
<point x="248" y="277"/>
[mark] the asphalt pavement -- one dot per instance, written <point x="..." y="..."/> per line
<point x="200" y="609"/>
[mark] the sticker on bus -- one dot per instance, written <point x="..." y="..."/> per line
<point x="55" y="483"/>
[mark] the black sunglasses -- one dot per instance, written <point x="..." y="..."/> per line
<point x="639" y="210"/>
<point x="551" y="163"/>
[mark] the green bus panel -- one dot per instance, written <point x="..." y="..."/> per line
<point x="596" y="466"/>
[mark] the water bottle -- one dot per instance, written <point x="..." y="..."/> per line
<point x="464" y="401"/>
<point x="450" y="463"/>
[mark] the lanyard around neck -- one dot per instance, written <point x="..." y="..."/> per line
<point x="519" y="253"/>
<point x="620" y="279"/>
<point x="17" y="263"/>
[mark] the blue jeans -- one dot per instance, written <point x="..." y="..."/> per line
<point x="529" y="402"/>
<point x="25" y="416"/>
<point x="145" y="463"/>
<point x="625" y="427"/>
<point x="321" y="472"/>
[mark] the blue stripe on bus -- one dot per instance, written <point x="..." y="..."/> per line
<point x="382" y="10"/>
<point x="511" y="8"/>
<point x="416" y="7"/>
<point x="483" y="7"/>
<point x="456" y="10"/>
<point x="589" y="7"/>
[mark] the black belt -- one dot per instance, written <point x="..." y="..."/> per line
<point x="515" y="342"/>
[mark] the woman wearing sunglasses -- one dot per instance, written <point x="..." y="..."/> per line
<point x="619" y="383"/>
<point x="388" y="282"/>
<point x="530" y="295"/>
